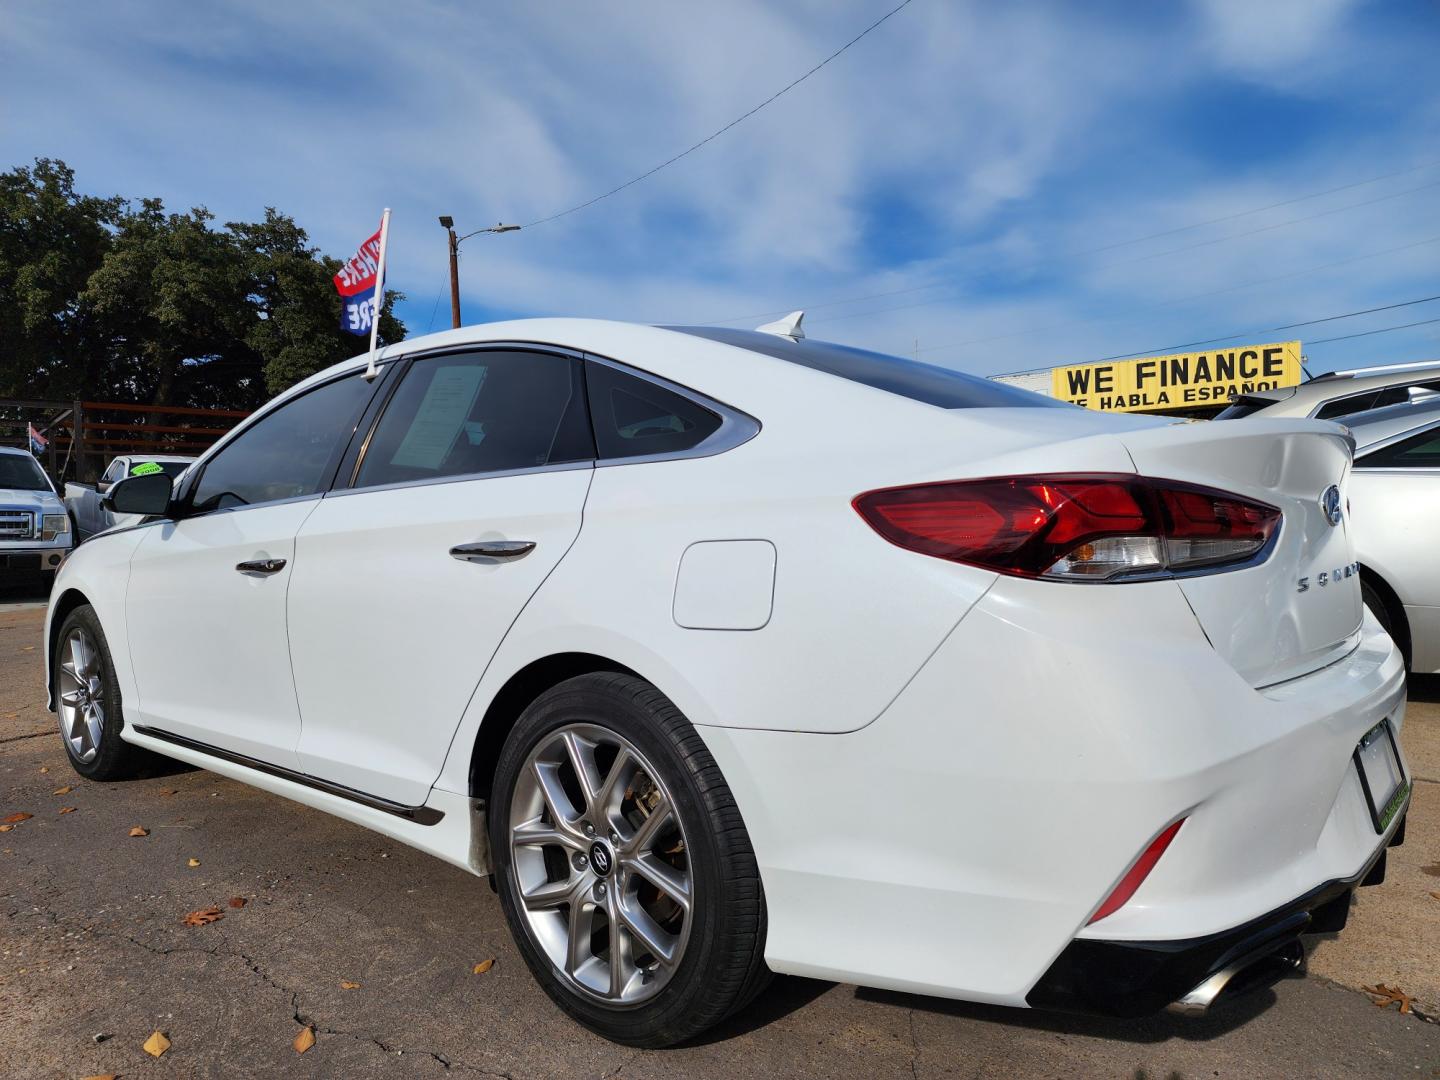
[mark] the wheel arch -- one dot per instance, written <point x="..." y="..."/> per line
<point x="60" y="610"/>
<point x="1393" y="605"/>
<point x="512" y="699"/>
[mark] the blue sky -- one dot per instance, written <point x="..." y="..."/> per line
<point x="988" y="167"/>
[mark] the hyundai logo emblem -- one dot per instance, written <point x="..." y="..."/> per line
<point x="1330" y="503"/>
<point x="600" y="859"/>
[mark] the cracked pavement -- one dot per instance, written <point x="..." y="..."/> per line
<point x="91" y="944"/>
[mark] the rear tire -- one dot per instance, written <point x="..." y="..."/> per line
<point x="87" y="702"/>
<point x="580" y="864"/>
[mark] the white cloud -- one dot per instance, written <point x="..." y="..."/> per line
<point x="974" y="144"/>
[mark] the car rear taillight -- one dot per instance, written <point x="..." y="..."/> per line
<point x="1080" y="527"/>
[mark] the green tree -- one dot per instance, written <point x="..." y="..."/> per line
<point x="51" y="240"/>
<point x="108" y="299"/>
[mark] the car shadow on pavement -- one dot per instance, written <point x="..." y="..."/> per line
<point x="1162" y="1027"/>
<point x="24" y="589"/>
<point x="1424" y="688"/>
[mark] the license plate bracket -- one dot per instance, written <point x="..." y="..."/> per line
<point x="1382" y="777"/>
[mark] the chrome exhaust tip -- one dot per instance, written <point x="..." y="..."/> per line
<point x="1254" y="971"/>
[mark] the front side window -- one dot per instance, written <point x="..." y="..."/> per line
<point x="286" y="454"/>
<point x="1420" y="451"/>
<point x="635" y="418"/>
<point x="22" y="472"/>
<point x="482" y="412"/>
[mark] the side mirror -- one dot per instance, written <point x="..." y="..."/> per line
<point x="145" y="495"/>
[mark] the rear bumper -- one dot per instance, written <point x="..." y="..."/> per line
<point x="959" y="845"/>
<point x="1137" y="978"/>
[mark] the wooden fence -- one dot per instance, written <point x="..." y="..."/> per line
<point x="83" y="436"/>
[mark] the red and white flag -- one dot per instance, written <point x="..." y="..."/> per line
<point x="360" y="284"/>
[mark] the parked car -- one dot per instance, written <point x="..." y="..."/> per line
<point x="726" y="652"/>
<point x="1341" y="393"/>
<point x="84" y="501"/>
<point x="1395" y="496"/>
<point x="34" y="531"/>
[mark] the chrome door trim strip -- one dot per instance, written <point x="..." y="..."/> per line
<point x="420" y="815"/>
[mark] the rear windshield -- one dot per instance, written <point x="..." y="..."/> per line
<point x="21" y="472"/>
<point x="927" y="383"/>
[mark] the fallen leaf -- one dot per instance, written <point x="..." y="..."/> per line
<point x="68" y="809"/>
<point x="166" y="791"/>
<point x="483" y="966"/>
<point x="15" y="818"/>
<point x="157" y="1044"/>
<point x="237" y="901"/>
<point x="104" y="1076"/>
<point x="1436" y="895"/>
<point x="138" y="831"/>
<point x="43" y="768"/>
<point x="6" y="828"/>
<point x="305" y="1040"/>
<point x="1390" y="995"/>
<point x="193" y="862"/>
<point x="63" y="790"/>
<point x="203" y="916"/>
<point x="347" y="985"/>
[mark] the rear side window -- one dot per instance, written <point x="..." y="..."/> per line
<point x="287" y="453"/>
<point x="634" y="417"/>
<point x="479" y="412"/>
<point x="1375" y="399"/>
<point x="927" y="383"/>
<point x="1420" y="451"/>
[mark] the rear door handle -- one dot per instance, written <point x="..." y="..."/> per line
<point x="490" y="550"/>
<point x="261" y="567"/>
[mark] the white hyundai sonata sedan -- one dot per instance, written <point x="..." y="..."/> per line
<point x="729" y="652"/>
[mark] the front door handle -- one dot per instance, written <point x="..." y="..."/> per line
<point x="261" y="567"/>
<point x="490" y="550"/>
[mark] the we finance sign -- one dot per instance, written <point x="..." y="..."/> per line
<point x="1178" y="381"/>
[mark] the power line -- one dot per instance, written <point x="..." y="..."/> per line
<point x="1179" y="299"/>
<point x="715" y="135"/>
<point x="1107" y="247"/>
<point x="1368" y="333"/>
<point x="1165" y="349"/>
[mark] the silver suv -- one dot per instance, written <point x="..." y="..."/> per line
<point x="1342" y="393"/>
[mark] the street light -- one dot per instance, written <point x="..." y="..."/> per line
<point x="448" y="223"/>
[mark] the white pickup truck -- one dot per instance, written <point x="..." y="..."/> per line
<point x="34" y="528"/>
<point x="83" y="500"/>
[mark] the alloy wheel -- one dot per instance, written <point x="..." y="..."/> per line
<point x="601" y="865"/>
<point x="82" y="696"/>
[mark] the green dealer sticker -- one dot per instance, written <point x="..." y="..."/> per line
<point x="145" y="468"/>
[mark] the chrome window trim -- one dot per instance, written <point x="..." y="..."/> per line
<point x="462" y="478"/>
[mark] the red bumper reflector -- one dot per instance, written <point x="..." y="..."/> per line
<point x="1137" y="873"/>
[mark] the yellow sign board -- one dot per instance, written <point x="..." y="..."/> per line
<point x="1178" y="381"/>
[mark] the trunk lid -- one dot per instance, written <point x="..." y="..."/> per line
<point x="1299" y="608"/>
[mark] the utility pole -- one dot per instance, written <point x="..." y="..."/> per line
<point x="448" y="223"/>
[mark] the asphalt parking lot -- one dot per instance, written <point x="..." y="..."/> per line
<point x="375" y="946"/>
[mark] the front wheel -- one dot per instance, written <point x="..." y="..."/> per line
<point x="623" y="866"/>
<point x="87" y="701"/>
